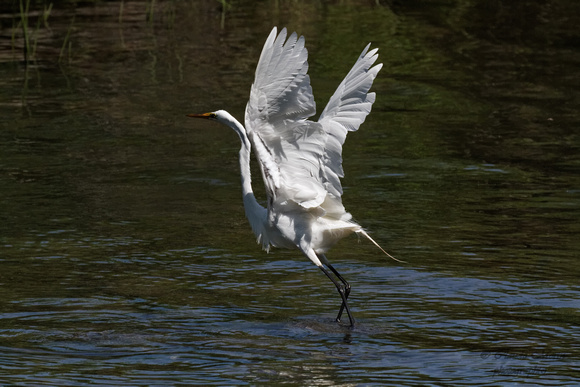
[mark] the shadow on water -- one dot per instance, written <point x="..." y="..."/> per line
<point x="125" y="257"/>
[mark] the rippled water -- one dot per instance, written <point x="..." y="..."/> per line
<point x="125" y="257"/>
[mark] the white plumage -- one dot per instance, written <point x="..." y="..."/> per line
<point x="300" y="160"/>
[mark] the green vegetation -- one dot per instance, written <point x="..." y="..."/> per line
<point x="22" y="23"/>
<point x="67" y="44"/>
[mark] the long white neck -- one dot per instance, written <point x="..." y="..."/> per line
<point x="245" y="153"/>
<point x="256" y="214"/>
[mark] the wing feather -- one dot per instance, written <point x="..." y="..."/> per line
<point x="289" y="148"/>
<point x="301" y="160"/>
<point x="345" y="112"/>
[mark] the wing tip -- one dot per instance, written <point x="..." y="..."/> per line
<point x="273" y="33"/>
<point x="376" y="68"/>
<point x="365" y="50"/>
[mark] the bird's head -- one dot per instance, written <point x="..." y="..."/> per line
<point x="208" y="116"/>
<point x="219" y="115"/>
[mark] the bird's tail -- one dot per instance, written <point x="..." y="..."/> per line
<point x="363" y="232"/>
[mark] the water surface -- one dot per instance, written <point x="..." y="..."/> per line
<point x="125" y="256"/>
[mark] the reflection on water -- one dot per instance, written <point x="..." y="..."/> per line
<point x="202" y="327"/>
<point x="125" y="257"/>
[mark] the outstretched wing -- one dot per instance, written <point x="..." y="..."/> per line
<point x="289" y="148"/>
<point x="345" y="112"/>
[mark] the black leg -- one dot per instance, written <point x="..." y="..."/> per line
<point x="346" y="290"/>
<point x="342" y="290"/>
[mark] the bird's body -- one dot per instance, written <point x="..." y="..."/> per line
<point x="300" y="160"/>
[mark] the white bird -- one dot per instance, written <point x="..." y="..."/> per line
<point x="300" y="160"/>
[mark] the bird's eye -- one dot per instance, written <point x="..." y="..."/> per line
<point x="212" y="115"/>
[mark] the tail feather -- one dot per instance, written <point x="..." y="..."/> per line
<point x="363" y="232"/>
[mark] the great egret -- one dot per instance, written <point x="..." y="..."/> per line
<point x="300" y="160"/>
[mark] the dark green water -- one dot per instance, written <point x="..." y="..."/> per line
<point x="125" y="256"/>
